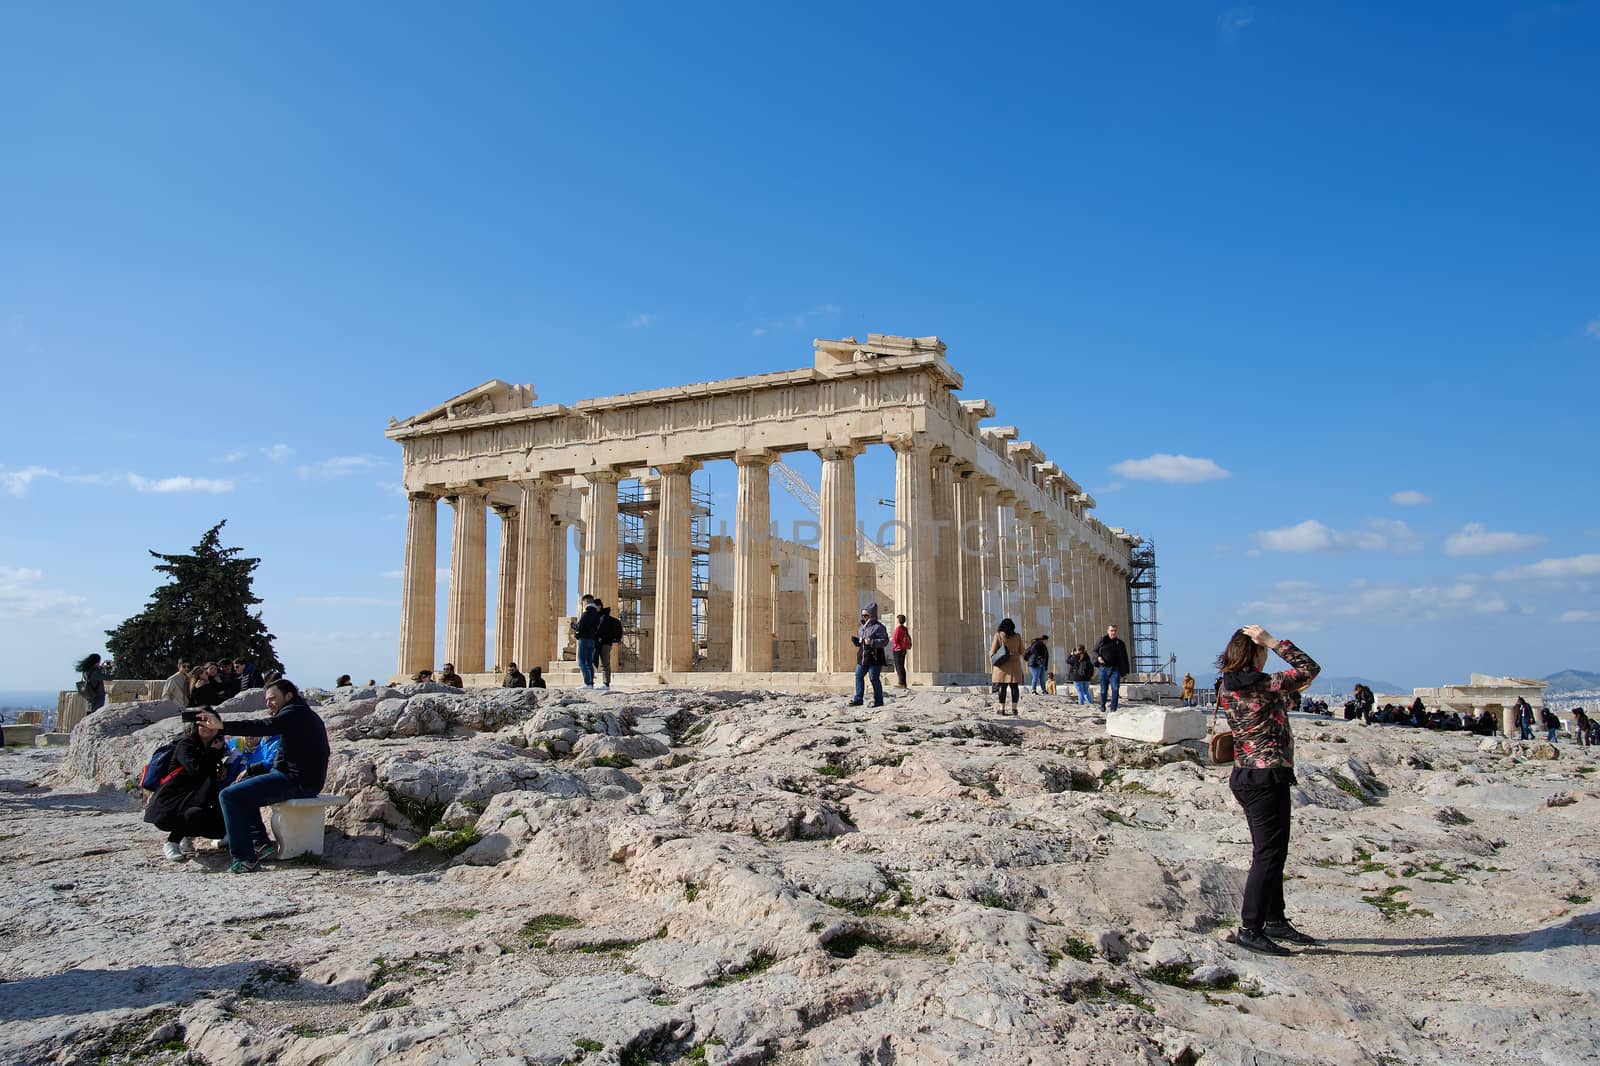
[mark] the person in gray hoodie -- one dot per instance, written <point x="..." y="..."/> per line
<point x="870" y="641"/>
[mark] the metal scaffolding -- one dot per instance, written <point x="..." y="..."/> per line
<point x="638" y="511"/>
<point x="1142" y="608"/>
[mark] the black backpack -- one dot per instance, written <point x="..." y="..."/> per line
<point x="610" y="629"/>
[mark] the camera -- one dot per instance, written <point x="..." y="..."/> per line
<point x="191" y="717"/>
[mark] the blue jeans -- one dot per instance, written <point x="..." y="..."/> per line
<point x="874" y="671"/>
<point x="1037" y="683"/>
<point x="586" y="649"/>
<point x="241" y="808"/>
<point x="1110" y="675"/>
<point x="1083" y="691"/>
<point x="1550" y="734"/>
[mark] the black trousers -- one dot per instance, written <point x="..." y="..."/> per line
<point x="195" y="822"/>
<point x="1000" y="690"/>
<point x="1266" y="808"/>
<point x="900" y="667"/>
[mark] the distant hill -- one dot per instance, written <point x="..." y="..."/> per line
<point x="1571" y="681"/>
<point x="1343" y="686"/>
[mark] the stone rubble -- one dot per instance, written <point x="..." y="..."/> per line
<point x="561" y="876"/>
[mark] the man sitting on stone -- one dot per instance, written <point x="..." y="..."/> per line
<point x="177" y="687"/>
<point x="448" y="676"/>
<point x="298" y="772"/>
<point x="514" y="678"/>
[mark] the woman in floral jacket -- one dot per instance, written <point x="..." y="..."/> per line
<point x="1257" y="705"/>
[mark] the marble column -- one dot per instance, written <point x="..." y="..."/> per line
<point x="1050" y="584"/>
<point x="505" y="605"/>
<point x="559" y="607"/>
<point x="531" y="623"/>
<point x="915" y="570"/>
<point x="600" y="538"/>
<point x="989" y="603"/>
<point x="674" y="636"/>
<point x="419" y="590"/>
<point x="945" y="561"/>
<point x="466" y="618"/>
<point x="1008" y="598"/>
<point x="1027" y="575"/>
<point x="752" y="564"/>
<point x="837" y="596"/>
<point x="969" y="560"/>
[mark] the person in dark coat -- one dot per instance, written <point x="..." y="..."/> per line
<point x="185" y="805"/>
<point x="514" y="678"/>
<point x="872" y="643"/>
<point x="536" y="678"/>
<point x="1111" y="656"/>
<point x="93" y="677"/>
<point x="1080" y="671"/>
<point x="299" y="771"/>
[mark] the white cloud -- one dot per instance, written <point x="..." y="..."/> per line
<point x="340" y="466"/>
<point x="641" y="321"/>
<point x="16" y="482"/>
<point x="1572" y="566"/>
<point x="1474" y="539"/>
<point x="1177" y="468"/>
<point x="1292" y="605"/>
<point x="1409" y="498"/>
<point x="1233" y="20"/>
<point x="23" y="596"/>
<point x="1570" y="617"/>
<point x="277" y="452"/>
<point x="231" y="457"/>
<point x="1312" y="536"/>
<point x="179" y="484"/>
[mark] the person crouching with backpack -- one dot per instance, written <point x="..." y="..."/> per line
<point x="186" y="803"/>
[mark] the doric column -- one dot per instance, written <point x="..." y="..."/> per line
<point x="989" y="604"/>
<point x="1064" y="599"/>
<point x="946" y="562"/>
<point x="1080" y="589"/>
<point x="1050" y="578"/>
<point x="915" y="578"/>
<point x="466" y="619"/>
<point x="674" y="636"/>
<point x="837" y="595"/>
<point x="531" y="633"/>
<point x="968" y="541"/>
<point x="752" y="564"/>
<point x="1027" y="575"/>
<point x="600" y="537"/>
<point x="417" y="595"/>
<point x="505" y="607"/>
<point x="559" y="607"/>
<point x="1007" y="599"/>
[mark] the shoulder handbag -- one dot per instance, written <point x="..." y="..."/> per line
<point x="1221" y="743"/>
<point x="1001" y="655"/>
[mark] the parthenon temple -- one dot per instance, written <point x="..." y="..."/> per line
<point x="985" y="526"/>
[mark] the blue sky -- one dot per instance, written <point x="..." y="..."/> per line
<point x="1343" y="252"/>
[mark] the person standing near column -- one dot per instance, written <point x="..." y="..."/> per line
<point x="900" y="643"/>
<point x="1111" y="656"/>
<point x="871" y="641"/>
<point x="608" y="634"/>
<point x="1258" y="705"/>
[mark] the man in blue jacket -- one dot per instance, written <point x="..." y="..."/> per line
<point x="298" y="772"/>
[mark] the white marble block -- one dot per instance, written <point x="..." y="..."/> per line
<point x="1157" y="725"/>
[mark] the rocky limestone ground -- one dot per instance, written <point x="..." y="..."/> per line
<point x="675" y="876"/>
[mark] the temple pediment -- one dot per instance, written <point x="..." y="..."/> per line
<point x="493" y="397"/>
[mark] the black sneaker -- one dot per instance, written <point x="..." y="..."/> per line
<point x="1257" y="941"/>
<point x="1285" y="931"/>
<point x="853" y="703"/>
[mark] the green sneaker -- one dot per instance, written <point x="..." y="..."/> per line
<point x="267" y="850"/>
<point x="240" y="866"/>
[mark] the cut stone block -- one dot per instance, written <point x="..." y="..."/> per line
<point x="297" y="824"/>
<point x="45" y="740"/>
<point x="22" y="733"/>
<point x="1157" y="725"/>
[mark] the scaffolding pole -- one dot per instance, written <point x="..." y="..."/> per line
<point x="1142" y="603"/>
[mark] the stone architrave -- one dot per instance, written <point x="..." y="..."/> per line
<point x="417" y="596"/>
<point x="753" y="578"/>
<point x="837" y="594"/>
<point x="674" y="635"/>
<point x="600" y="537"/>
<point x="915" y="571"/>
<point x="466" y="619"/>
<point x="505" y="607"/>
<point x="532" y="620"/>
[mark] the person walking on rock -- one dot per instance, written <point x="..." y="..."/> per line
<point x="900" y="643"/>
<point x="1524" y="718"/>
<point x="298" y="772"/>
<point x="871" y="641"/>
<point x="1257" y="705"/>
<point x="93" y="675"/>
<point x="1005" y="671"/>
<point x="1080" y="671"/>
<point x="1188" y="690"/>
<point x="1111" y="656"/>
<point x="1038" y="659"/>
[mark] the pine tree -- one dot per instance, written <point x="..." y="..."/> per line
<point x="201" y="613"/>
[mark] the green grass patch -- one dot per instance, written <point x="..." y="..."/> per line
<point x="1576" y="899"/>
<point x="452" y="842"/>
<point x="585" y="1044"/>
<point x="266" y="977"/>
<point x="759" y="962"/>
<point x="1099" y="989"/>
<point x="990" y="898"/>
<point x="914" y="815"/>
<point x="535" y="932"/>
<point x="385" y="971"/>
<point x="1349" y="787"/>
<point x="902" y="729"/>
<point x="691" y="893"/>
<point x="1391" y="906"/>
<point x="1078" y="948"/>
<point x="830" y="770"/>
<point x="617" y="761"/>
<point x="445" y="915"/>
<point x="423" y="816"/>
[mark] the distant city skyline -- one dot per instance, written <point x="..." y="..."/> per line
<point x="1308" y="297"/>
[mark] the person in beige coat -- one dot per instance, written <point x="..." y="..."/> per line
<point x="1008" y="673"/>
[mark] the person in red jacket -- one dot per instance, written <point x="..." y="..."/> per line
<point x="900" y="643"/>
